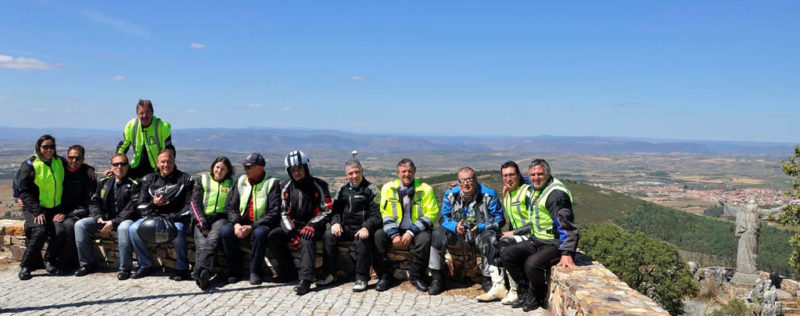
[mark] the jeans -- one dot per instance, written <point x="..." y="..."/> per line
<point x="86" y="227"/>
<point x="143" y="256"/>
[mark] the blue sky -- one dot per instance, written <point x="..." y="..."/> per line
<point x="725" y="70"/>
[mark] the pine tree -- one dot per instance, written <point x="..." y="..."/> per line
<point x="791" y="213"/>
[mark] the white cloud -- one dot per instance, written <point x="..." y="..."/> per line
<point x="115" y="23"/>
<point x="358" y="78"/>
<point x="117" y="78"/>
<point x="190" y="111"/>
<point x="197" y="45"/>
<point x="22" y="63"/>
<point x="287" y="109"/>
<point x="255" y="105"/>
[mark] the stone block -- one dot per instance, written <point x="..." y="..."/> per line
<point x="16" y="252"/>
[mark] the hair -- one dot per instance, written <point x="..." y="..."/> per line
<point x="541" y="162"/>
<point x="227" y="163"/>
<point x="78" y="148"/>
<point x="408" y="162"/>
<point x="467" y="168"/>
<point x="353" y="163"/>
<point x="119" y="155"/>
<point x="511" y="163"/>
<point x="171" y="153"/>
<point x="41" y="140"/>
<point x="145" y="103"/>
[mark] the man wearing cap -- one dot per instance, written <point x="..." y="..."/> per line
<point x="148" y="134"/>
<point x="253" y="209"/>
<point x="168" y="194"/>
<point x="305" y="210"/>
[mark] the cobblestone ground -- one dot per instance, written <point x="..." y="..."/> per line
<point x="101" y="293"/>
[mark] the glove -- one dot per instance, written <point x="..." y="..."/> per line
<point x="294" y="241"/>
<point x="307" y="232"/>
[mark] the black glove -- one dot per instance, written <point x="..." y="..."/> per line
<point x="307" y="232"/>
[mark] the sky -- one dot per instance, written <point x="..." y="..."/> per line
<point x="693" y="70"/>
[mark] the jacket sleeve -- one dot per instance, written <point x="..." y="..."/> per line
<point x="430" y="212"/>
<point x="287" y="222"/>
<point x="560" y="208"/>
<point x="495" y="212"/>
<point x="524" y="230"/>
<point x="95" y="202"/>
<point x="28" y="192"/>
<point x="338" y="206"/>
<point x="125" y="143"/>
<point x="373" y="221"/>
<point x="326" y="208"/>
<point x="232" y="206"/>
<point x="447" y="209"/>
<point x="273" y="213"/>
<point x="184" y="213"/>
<point x="129" y="209"/>
<point x="145" y="204"/>
<point x="389" y="220"/>
<point x="197" y="206"/>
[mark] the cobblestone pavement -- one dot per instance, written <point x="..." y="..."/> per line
<point x="101" y="293"/>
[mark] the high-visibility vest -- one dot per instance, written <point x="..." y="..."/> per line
<point x="258" y="193"/>
<point x="50" y="180"/>
<point x="516" y="206"/>
<point x="215" y="194"/>
<point x="423" y="207"/>
<point x="153" y="138"/>
<point x="539" y="215"/>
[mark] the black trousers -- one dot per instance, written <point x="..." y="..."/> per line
<point x="258" y="245"/>
<point x="363" y="251"/>
<point x="529" y="261"/>
<point x="67" y="256"/>
<point x="279" y="246"/>
<point x="35" y="237"/>
<point x="206" y="246"/>
<point x="502" y="244"/>
<point x="420" y="248"/>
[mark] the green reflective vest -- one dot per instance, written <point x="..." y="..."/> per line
<point x="153" y="138"/>
<point x="258" y="193"/>
<point x="423" y="208"/>
<point x="539" y="215"/>
<point x="215" y="194"/>
<point x="516" y="206"/>
<point x="50" y="180"/>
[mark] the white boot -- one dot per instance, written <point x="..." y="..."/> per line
<point x="498" y="290"/>
<point x="512" y="293"/>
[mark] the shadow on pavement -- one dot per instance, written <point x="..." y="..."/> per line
<point x="129" y="299"/>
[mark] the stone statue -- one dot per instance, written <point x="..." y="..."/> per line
<point x="748" y="227"/>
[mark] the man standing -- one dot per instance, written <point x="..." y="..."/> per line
<point x="305" y="210"/>
<point x="409" y="210"/>
<point x="112" y="207"/>
<point x="166" y="193"/>
<point x="148" y="135"/>
<point x="355" y="217"/>
<point x="472" y="218"/>
<point x="253" y="209"/>
<point x="554" y="237"/>
<point x="80" y="182"/>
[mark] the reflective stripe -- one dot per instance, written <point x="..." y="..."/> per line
<point x="157" y="121"/>
<point x="394" y="204"/>
<point x="135" y="133"/>
<point x="204" y="183"/>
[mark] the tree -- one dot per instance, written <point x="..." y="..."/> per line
<point x="652" y="267"/>
<point x="791" y="213"/>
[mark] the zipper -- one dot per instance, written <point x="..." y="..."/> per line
<point x="55" y="183"/>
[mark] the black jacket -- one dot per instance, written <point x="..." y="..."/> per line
<point x="125" y="194"/>
<point x="78" y="190"/>
<point x="178" y="189"/>
<point x="271" y="215"/>
<point x="315" y="208"/>
<point x="357" y="206"/>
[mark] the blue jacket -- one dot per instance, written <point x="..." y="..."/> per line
<point x="488" y="210"/>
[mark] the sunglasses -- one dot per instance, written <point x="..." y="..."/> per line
<point x="48" y="147"/>
<point x="467" y="180"/>
<point x="76" y="158"/>
<point x="119" y="164"/>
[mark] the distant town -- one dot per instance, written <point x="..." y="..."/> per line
<point x="764" y="196"/>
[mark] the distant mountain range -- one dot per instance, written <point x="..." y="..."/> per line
<point x="247" y="139"/>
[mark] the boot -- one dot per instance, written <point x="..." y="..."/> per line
<point x="512" y="293"/>
<point x="437" y="285"/>
<point x="523" y="292"/>
<point x="498" y="289"/>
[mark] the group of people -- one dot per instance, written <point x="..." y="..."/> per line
<point x="64" y="204"/>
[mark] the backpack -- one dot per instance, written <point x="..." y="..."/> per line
<point x="29" y="161"/>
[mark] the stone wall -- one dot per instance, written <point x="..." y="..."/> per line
<point x="590" y="289"/>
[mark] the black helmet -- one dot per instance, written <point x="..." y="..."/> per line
<point x="157" y="230"/>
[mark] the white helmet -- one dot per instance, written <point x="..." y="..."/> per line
<point x="295" y="158"/>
